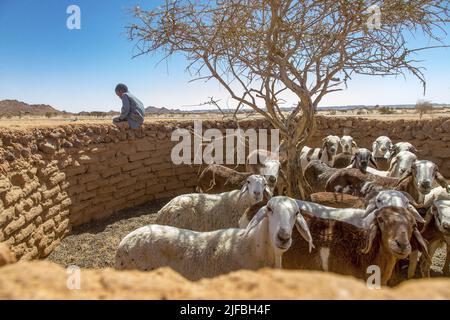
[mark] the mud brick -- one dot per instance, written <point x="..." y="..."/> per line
<point x="95" y="184"/>
<point x="88" y="178"/>
<point x="14" y="225"/>
<point x="6" y="216"/>
<point x="139" y="156"/>
<point x="33" y="213"/>
<point x="13" y="195"/>
<point x="118" y="162"/>
<point x="76" y="189"/>
<point x="24" y="233"/>
<point x="132" y="165"/>
<point x="56" y="178"/>
<point x="110" y="172"/>
<point x="51" y="193"/>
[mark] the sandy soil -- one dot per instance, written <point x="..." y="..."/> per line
<point x="93" y="245"/>
<point x="45" y="280"/>
<point x="33" y="122"/>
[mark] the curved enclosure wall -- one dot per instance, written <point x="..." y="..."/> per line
<point x="55" y="178"/>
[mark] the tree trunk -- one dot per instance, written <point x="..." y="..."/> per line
<point x="293" y="171"/>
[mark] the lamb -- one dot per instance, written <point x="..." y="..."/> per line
<point x="401" y="163"/>
<point x="343" y="248"/>
<point x="347" y="144"/>
<point x="317" y="173"/>
<point x="197" y="255"/>
<point x="436" y="230"/>
<point x="361" y="160"/>
<point x="402" y="146"/>
<point x="268" y="165"/>
<point x="326" y="153"/>
<point x="216" y="178"/>
<point x="207" y="212"/>
<point x="381" y="151"/>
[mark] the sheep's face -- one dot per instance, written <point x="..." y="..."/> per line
<point x="402" y="163"/>
<point x="424" y="172"/>
<point x="362" y="158"/>
<point x="331" y="144"/>
<point x="396" y="226"/>
<point x="270" y="171"/>
<point x="442" y="216"/>
<point x="381" y="147"/>
<point x="347" y="143"/>
<point x="281" y="213"/>
<point x="255" y="186"/>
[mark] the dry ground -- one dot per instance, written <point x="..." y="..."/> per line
<point x="93" y="245"/>
<point x="33" y="122"/>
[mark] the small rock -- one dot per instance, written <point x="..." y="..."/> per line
<point x="47" y="148"/>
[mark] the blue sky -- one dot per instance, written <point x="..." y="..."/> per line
<point x="41" y="61"/>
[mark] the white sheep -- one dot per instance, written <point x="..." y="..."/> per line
<point x="207" y="212"/>
<point x="401" y="163"/>
<point x="381" y="147"/>
<point x="197" y="255"/>
<point x="347" y="144"/>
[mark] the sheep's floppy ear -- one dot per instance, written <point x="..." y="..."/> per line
<point x="371" y="207"/>
<point x="324" y="144"/>
<point x="372" y="161"/>
<point x="267" y="192"/>
<point x="422" y="243"/>
<point x="372" y="233"/>
<point x="392" y="164"/>
<point x="353" y="159"/>
<point x="303" y="229"/>
<point x="441" y="180"/>
<point x="354" y="144"/>
<point x="428" y="218"/>
<point x="244" y="189"/>
<point x="415" y="214"/>
<point x="257" y="218"/>
<point x="374" y="147"/>
<point x="406" y="175"/>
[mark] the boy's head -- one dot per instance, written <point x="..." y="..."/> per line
<point x="121" y="89"/>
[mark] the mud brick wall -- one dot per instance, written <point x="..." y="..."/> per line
<point x="52" y="179"/>
<point x="55" y="178"/>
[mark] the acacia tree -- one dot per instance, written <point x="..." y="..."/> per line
<point x="260" y="51"/>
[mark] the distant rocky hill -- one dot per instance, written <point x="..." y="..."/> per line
<point x="15" y="108"/>
<point x="156" y="110"/>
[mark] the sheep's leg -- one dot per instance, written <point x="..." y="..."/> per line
<point x="425" y="265"/>
<point x="446" y="268"/>
<point x="412" y="264"/>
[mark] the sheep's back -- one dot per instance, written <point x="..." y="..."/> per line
<point x="200" y="212"/>
<point x="194" y="255"/>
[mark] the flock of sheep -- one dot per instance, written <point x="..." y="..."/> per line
<point x="366" y="208"/>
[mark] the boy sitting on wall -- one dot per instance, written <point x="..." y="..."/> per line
<point x="132" y="109"/>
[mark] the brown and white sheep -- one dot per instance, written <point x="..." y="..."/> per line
<point x="346" y="249"/>
<point x="216" y="178"/>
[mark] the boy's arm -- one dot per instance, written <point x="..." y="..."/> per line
<point x="125" y="108"/>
